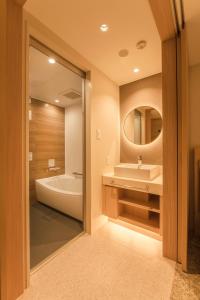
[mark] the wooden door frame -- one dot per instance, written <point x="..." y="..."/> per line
<point x="12" y="151"/>
<point x="33" y="29"/>
<point x="175" y="151"/>
<point x="14" y="210"/>
<point x="183" y="149"/>
<point x="31" y="41"/>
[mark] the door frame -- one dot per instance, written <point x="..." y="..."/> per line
<point x="172" y="32"/>
<point x="31" y="38"/>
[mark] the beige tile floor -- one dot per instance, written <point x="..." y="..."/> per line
<point x="114" y="263"/>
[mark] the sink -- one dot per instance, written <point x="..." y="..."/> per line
<point x="135" y="171"/>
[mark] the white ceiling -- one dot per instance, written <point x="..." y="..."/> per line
<point x="77" y="23"/>
<point x="192" y="15"/>
<point x="49" y="82"/>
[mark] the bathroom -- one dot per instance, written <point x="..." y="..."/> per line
<point x="56" y="167"/>
<point x="56" y="150"/>
<point x="100" y="132"/>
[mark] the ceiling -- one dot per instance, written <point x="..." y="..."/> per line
<point x="77" y="23"/>
<point x="50" y="82"/>
<point x="192" y="16"/>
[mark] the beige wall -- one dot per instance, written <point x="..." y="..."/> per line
<point x="102" y="112"/>
<point x="104" y="151"/>
<point x="144" y="92"/>
<point x="194" y="90"/>
<point x="73" y="139"/>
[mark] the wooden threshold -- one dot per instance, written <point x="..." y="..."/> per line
<point x="151" y="224"/>
<point x="146" y="205"/>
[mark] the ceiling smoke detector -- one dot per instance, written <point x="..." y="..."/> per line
<point x="141" y="44"/>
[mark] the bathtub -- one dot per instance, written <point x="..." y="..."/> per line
<point x="63" y="193"/>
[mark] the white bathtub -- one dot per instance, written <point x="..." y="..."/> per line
<point x="63" y="193"/>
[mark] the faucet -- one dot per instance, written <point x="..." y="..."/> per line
<point x="139" y="158"/>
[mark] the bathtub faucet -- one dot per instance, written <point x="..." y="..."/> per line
<point x="77" y="173"/>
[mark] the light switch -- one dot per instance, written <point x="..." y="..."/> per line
<point x="98" y="134"/>
<point x="51" y="162"/>
<point x="30" y="156"/>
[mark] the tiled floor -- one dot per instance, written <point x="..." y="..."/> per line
<point x="114" y="263"/>
<point x="49" y="230"/>
<point x="186" y="286"/>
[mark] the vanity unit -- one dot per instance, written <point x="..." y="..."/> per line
<point x="132" y="196"/>
<point x="132" y="193"/>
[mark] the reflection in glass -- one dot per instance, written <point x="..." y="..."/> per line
<point x="143" y="125"/>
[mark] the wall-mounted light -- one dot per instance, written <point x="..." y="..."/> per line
<point x="104" y="27"/>
<point x="57" y="101"/>
<point x="51" y="60"/>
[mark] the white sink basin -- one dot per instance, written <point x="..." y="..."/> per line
<point x="135" y="171"/>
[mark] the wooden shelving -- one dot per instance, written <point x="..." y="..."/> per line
<point x="133" y="207"/>
<point x="150" y="224"/>
<point x="146" y="205"/>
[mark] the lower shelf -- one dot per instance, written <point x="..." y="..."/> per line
<point x="149" y="224"/>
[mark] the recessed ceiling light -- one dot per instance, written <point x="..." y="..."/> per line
<point x="136" y="70"/>
<point x="57" y="101"/>
<point x="51" y="60"/>
<point x="104" y="27"/>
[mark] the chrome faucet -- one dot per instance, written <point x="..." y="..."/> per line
<point x="139" y="159"/>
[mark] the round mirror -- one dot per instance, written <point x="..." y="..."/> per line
<point x="143" y="125"/>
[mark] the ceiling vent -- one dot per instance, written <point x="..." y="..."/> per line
<point x="71" y="94"/>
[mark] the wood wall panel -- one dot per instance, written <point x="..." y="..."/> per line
<point x="170" y="148"/>
<point x="11" y="150"/>
<point x="110" y="202"/>
<point x="183" y="148"/>
<point x="46" y="141"/>
<point x="197" y="189"/>
<point x="164" y="18"/>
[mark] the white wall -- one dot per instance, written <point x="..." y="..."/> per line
<point x="73" y="139"/>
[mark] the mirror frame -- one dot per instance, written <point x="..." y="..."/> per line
<point x="126" y="116"/>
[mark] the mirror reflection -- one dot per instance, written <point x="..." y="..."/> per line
<point x="143" y="125"/>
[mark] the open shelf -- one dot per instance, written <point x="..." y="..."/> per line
<point x="140" y="209"/>
<point x="150" y="224"/>
<point x="152" y="205"/>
